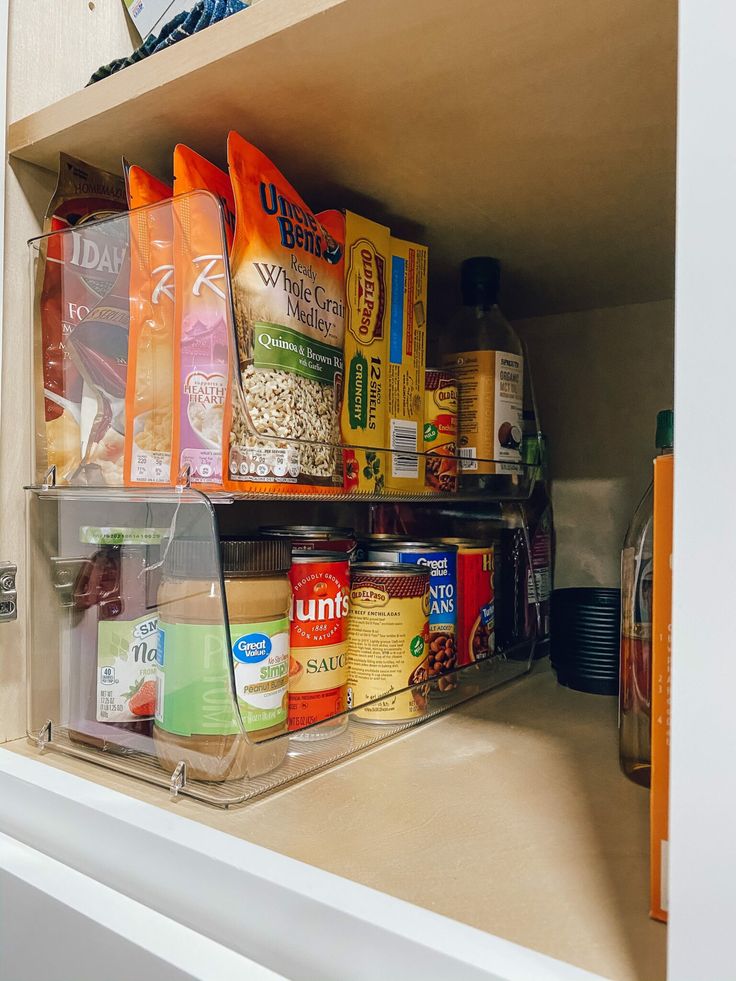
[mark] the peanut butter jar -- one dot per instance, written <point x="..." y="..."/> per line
<point x="220" y="699"/>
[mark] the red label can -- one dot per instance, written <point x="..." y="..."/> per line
<point x="475" y="600"/>
<point x="318" y="672"/>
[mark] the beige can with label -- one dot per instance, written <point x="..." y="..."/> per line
<point x="388" y="633"/>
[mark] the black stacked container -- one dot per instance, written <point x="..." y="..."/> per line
<point x="585" y="638"/>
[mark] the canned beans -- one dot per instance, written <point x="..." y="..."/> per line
<point x="441" y="561"/>
<point x="475" y="600"/>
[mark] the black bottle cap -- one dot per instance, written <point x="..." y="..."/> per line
<point x="480" y="279"/>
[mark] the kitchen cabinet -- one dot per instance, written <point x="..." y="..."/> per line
<point x="498" y="841"/>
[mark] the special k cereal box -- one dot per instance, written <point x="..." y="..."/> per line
<point x="661" y="660"/>
<point x="150" y="388"/>
<point x="204" y="340"/>
<point x="368" y="298"/>
<point x="406" y="363"/>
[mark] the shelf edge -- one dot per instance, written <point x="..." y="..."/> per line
<point x="244" y="30"/>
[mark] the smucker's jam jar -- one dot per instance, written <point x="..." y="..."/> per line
<point x="318" y="673"/>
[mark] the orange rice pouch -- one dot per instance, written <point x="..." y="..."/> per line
<point x="204" y="342"/>
<point x="289" y="298"/>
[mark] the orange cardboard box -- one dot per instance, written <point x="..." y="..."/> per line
<point x="661" y="659"/>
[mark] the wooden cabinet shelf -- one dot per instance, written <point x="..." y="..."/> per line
<point x="543" y="133"/>
<point x="509" y="814"/>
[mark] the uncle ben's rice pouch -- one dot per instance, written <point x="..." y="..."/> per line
<point x="289" y="298"/>
<point x="149" y="417"/>
<point x="204" y="339"/>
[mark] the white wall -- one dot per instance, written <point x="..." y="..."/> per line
<point x="600" y="377"/>
<point x="703" y="719"/>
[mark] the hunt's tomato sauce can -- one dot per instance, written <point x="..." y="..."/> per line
<point x="318" y="673"/>
<point x="475" y="600"/>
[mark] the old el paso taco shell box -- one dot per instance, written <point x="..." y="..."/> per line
<point x="368" y="298"/>
<point x="406" y="363"/>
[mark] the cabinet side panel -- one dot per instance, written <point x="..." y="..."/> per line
<point x="27" y="190"/>
<point x="702" y="857"/>
<point x="55" y="46"/>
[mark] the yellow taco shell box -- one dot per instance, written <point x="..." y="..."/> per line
<point x="661" y="669"/>
<point x="367" y="309"/>
<point x="406" y="363"/>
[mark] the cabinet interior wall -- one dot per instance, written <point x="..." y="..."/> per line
<point x="600" y="378"/>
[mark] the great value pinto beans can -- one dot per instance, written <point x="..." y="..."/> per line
<point x="475" y="600"/>
<point x="441" y="561"/>
<point x="440" y="429"/>
<point x="322" y="538"/>
<point x="388" y="641"/>
<point x="318" y="673"/>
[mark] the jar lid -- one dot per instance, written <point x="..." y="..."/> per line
<point x="316" y="532"/>
<point x="258" y="555"/>
<point x="300" y="556"/>
<point x="191" y="558"/>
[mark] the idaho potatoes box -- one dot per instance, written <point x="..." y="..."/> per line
<point x="368" y="292"/>
<point x="661" y="661"/>
<point x="407" y="359"/>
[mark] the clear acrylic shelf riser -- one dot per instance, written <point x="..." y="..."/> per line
<point x="97" y="563"/>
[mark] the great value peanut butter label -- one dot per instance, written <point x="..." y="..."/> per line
<point x="261" y="668"/>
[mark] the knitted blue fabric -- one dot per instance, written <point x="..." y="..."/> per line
<point x="184" y="24"/>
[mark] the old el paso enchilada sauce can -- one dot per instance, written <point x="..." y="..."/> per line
<point x="388" y="635"/>
<point x="318" y="673"/>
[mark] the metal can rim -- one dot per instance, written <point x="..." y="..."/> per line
<point x="315" y="532"/>
<point x="300" y="556"/>
<point x="388" y="569"/>
<point x="415" y="546"/>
